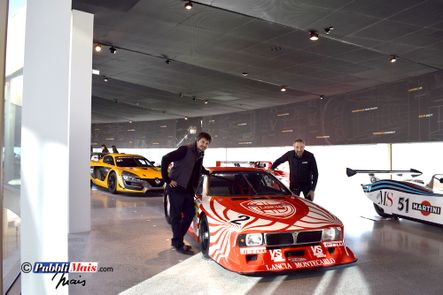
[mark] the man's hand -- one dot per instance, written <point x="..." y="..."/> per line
<point x="173" y="183"/>
<point x="310" y="195"/>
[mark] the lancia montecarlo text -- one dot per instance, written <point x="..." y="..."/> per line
<point x="249" y="222"/>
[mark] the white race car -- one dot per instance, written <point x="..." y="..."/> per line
<point x="410" y="199"/>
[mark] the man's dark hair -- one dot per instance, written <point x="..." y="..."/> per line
<point x="299" y="140"/>
<point x="205" y="136"/>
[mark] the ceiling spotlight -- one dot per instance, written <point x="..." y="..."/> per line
<point x="244" y="74"/>
<point x="192" y="130"/>
<point x="206" y="101"/>
<point x="284" y="88"/>
<point x="328" y="30"/>
<point x="322" y="97"/>
<point x="105" y="79"/>
<point x="393" y="58"/>
<point x="98" y="47"/>
<point x="186" y="118"/>
<point x="113" y="50"/>
<point x="188" y="5"/>
<point x="313" y="35"/>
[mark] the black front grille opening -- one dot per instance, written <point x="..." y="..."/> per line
<point x="133" y="185"/>
<point x="252" y="257"/>
<point x="279" y="239"/>
<point x="309" y="237"/>
<point x="296" y="253"/>
<point x="331" y="250"/>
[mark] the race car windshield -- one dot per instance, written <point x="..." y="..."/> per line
<point x="132" y="162"/>
<point x="245" y="184"/>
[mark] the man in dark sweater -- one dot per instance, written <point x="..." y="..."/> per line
<point x="181" y="183"/>
<point x="303" y="173"/>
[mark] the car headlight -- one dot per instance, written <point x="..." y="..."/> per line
<point x="127" y="176"/>
<point x="332" y="234"/>
<point x="254" y="239"/>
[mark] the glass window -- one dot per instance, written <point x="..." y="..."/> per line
<point x="200" y="186"/>
<point x="12" y="140"/>
<point x="108" y="160"/>
<point x="240" y="183"/>
<point x="133" y="162"/>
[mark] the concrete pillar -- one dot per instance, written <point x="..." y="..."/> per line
<point x="80" y="122"/>
<point x="45" y="150"/>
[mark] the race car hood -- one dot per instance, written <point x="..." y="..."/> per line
<point x="144" y="172"/>
<point x="288" y="212"/>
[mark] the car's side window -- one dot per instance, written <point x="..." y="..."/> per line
<point x="108" y="160"/>
<point x="200" y="186"/>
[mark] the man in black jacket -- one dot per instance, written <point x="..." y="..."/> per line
<point x="181" y="183"/>
<point x="303" y="173"/>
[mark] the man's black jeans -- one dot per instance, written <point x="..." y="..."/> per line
<point x="181" y="214"/>
<point x="301" y="187"/>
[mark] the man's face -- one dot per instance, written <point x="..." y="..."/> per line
<point x="299" y="148"/>
<point x="202" y="144"/>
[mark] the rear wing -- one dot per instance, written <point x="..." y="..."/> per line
<point x="414" y="172"/>
<point x="231" y="163"/>
<point x="254" y="164"/>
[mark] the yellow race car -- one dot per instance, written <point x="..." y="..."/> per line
<point x="124" y="173"/>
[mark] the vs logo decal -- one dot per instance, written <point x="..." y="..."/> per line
<point x="277" y="255"/>
<point x="318" y="251"/>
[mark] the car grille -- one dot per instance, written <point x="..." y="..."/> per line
<point x="154" y="184"/>
<point x="279" y="239"/>
<point x="308" y="237"/>
<point x="293" y="238"/>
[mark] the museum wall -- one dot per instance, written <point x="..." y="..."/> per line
<point x="410" y="110"/>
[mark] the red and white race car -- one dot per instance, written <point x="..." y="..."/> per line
<point x="249" y="222"/>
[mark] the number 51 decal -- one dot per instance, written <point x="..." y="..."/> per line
<point x="403" y="204"/>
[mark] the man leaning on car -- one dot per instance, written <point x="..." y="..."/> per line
<point x="181" y="185"/>
<point x="303" y="173"/>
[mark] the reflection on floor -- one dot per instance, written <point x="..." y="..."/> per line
<point x="130" y="235"/>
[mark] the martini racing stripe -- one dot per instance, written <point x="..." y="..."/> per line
<point x="395" y="186"/>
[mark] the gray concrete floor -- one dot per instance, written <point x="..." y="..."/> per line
<point x="130" y="235"/>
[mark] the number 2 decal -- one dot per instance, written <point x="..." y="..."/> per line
<point x="240" y="219"/>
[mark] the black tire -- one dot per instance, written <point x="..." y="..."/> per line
<point x="381" y="212"/>
<point x="204" y="236"/>
<point x="167" y="207"/>
<point x="112" y="183"/>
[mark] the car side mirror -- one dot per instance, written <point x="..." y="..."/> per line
<point x="151" y="162"/>
<point x="441" y="180"/>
